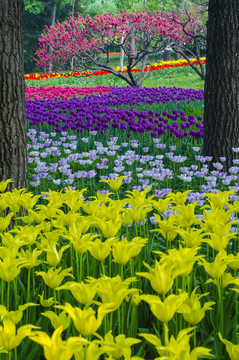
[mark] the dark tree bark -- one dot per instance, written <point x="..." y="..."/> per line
<point x="221" y="117"/>
<point x="13" y="141"/>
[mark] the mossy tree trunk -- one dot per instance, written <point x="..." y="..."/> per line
<point x="221" y="118"/>
<point x="13" y="140"/>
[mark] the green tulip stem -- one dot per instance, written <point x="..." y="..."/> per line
<point x="55" y="302"/>
<point x="85" y="354"/>
<point x="15" y="353"/>
<point x="122" y="272"/>
<point x="87" y="263"/>
<point x="117" y="193"/>
<point x="15" y="292"/>
<point x="194" y="338"/>
<point x="103" y="268"/>
<point x="80" y="273"/>
<point x="77" y="267"/>
<point x="2" y="291"/>
<point x="236" y="311"/>
<point x="9" y="355"/>
<point x="8" y="295"/>
<point x="119" y="325"/>
<point x="110" y="261"/>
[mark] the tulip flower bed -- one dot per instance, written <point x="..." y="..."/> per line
<point x="141" y="140"/>
<point x="92" y="277"/>
<point x="155" y="67"/>
<point x="60" y="92"/>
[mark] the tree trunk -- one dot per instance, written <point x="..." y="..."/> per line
<point x="53" y="20"/>
<point x="73" y="8"/>
<point x="167" y="50"/>
<point x="108" y="54"/>
<point x="13" y="140"/>
<point x="121" y="55"/>
<point x="221" y="117"/>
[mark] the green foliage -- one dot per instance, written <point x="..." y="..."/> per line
<point x="100" y="7"/>
<point x="34" y="6"/>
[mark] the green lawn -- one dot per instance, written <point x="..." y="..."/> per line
<point x="183" y="77"/>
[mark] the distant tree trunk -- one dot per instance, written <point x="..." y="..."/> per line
<point x="53" y="20"/>
<point x="73" y="8"/>
<point x="121" y="55"/>
<point x="132" y="50"/>
<point x="108" y="54"/>
<point x="179" y="44"/>
<point x="13" y="140"/>
<point x="221" y="118"/>
<point x="167" y="50"/>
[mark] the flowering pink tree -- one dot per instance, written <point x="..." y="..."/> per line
<point x="82" y="40"/>
<point x="192" y="19"/>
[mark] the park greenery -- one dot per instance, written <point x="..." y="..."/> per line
<point x="125" y="246"/>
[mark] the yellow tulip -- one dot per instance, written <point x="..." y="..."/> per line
<point x="109" y="228"/>
<point x="118" y="346"/>
<point x="102" y="198"/>
<point x="216" y="268"/>
<point x="10" y="268"/>
<point x="138" y="198"/>
<point x="126" y="217"/>
<point x="93" y="352"/>
<point x="10" y="338"/>
<point x="54" y="277"/>
<point x="54" y="347"/>
<point x="139" y="212"/>
<point x="4" y="184"/>
<point x="74" y="198"/>
<point x="46" y="302"/>
<point x="219" y="241"/>
<point x="167" y="228"/>
<point x="186" y="216"/>
<point x="233" y="261"/>
<point x="161" y="205"/>
<point x="58" y="320"/>
<point x="28" y="234"/>
<point x="179" y="198"/>
<point x="112" y="211"/>
<point x="112" y="291"/>
<point x="191" y="309"/>
<point x="67" y="219"/>
<point x="84" y="320"/>
<point x="80" y="242"/>
<point x="161" y="277"/>
<point x="114" y="184"/>
<point x="124" y="250"/>
<point x="101" y="249"/>
<point x="164" y="310"/>
<point x="176" y="349"/>
<point x="50" y="210"/>
<point x="212" y="218"/>
<point x="233" y="350"/>
<point x="182" y="259"/>
<point x="30" y="258"/>
<point x="191" y="236"/>
<point x="14" y="316"/>
<point x="28" y="201"/>
<point x="54" y="197"/>
<point x="5" y="221"/>
<point x="92" y="207"/>
<point x="9" y="252"/>
<point x="11" y="241"/>
<point x="218" y="200"/>
<point x="53" y="256"/>
<point x="83" y="293"/>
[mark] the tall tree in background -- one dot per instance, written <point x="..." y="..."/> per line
<point x="221" y="117"/>
<point x="13" y="141"/>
